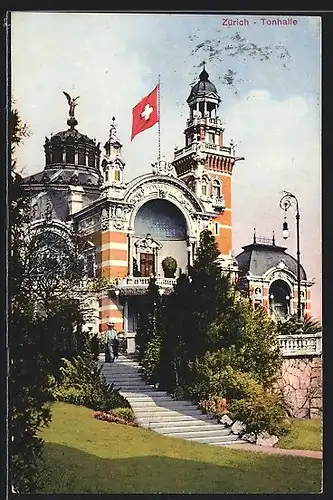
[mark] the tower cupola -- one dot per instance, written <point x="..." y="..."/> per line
<point x="113" y="163"/>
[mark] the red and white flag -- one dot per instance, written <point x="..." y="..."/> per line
<point x="145" y="113"/>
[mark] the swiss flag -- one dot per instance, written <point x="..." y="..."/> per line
<point x="145" y="113"/>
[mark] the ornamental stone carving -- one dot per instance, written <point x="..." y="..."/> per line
<point x="165" y="190"/>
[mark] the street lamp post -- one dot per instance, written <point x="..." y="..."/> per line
<point x="285" y="203"/>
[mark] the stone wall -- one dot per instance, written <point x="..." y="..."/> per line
<point x="301" y="384"/>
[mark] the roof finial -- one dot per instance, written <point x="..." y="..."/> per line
<point x="113" y="131"/>
<point x="254" y="235"/>
<point x="204" y="75"/>
<point x="72" y="103"/>
<point x="273" y="239"/>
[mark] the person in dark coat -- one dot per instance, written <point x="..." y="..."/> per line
<point x="115" y="347"/>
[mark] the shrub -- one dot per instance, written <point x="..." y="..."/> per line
<point x="215" y="405"/>
<point x="169" y="265"/>
<point x="124" y="413"/>
<point x="260" y="412"/>
<point x="151" y="360"/>
<point x="110" y="417"/>
<point x="249" y="401"/>
<point x="82" y="383"/>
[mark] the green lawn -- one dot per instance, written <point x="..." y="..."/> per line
<point x="84" y="455"/>
<point x="305" y="435"/>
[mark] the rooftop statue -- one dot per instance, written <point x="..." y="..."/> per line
<point x="72" y="103"/>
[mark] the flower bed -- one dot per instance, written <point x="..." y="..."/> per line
<point x="110" y="417"/>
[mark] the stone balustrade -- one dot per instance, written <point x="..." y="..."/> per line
<point x="142" y="281"/>
<point x="300" y="345"/>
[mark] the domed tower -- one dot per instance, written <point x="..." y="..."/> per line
<point x="71" y="178"/>
<point x="72" y="151"/>
<point x="205" y="164"/>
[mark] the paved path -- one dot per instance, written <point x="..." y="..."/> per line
<point x="277" y="451"/>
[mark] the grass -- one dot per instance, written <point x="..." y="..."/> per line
<point x="305" y="434"/>
<point x="84" y="455"/>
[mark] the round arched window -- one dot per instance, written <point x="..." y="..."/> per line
<point x="162" y="219"/>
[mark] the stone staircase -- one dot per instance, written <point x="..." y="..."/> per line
<point x="156" y="410"/>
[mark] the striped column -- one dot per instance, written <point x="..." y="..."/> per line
<point x="113" y="255"/>
<point x="111" y="310"/>
<point x="113" y="263"/>
<point x="224" y="239"/>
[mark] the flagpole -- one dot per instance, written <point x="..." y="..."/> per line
<point x="159" y="120"/>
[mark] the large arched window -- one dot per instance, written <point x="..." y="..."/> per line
<point x="51" y="255"/>
<point x="216" y="189"/>
<point x="162" y="219"/>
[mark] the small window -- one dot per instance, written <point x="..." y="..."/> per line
<point x="204" y="188"/>
<point x="106" y="175"/>
<point x="211" y="138"/>
<point x="117" y="175"/>
<point x="70" y="155"/>
<point x="91" y="159"/>
<point x="216" y="228"/>
<point x="57" y="155"/>
<point x="216" y="189"/>
<point x="81" y="156"/>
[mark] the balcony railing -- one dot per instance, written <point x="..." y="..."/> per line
<point x="204" y="121"/>
<point x="218" y="202"/>
<point x="205" y="146"/>
<point x="144" y="281"/>
<point x="300" y="345"/>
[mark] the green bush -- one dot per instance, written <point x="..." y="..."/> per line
<point x="263" y="411"/>
<point x="82" y="383"/>
<point x="151" y="360"/>
<point x="124" y="413"/>
<point x="248" y="400"/>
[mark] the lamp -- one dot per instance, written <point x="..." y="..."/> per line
<point x="285" y="230"/>
<point x="161" y="291"/>
<point x="285" y="203"/>
<point x="271" y="296"/>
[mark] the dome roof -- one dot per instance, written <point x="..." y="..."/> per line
<point x="203" y="88"/>
<point x="259" y="258"/>
<point x="74" y="134"/>
<point x="70" y="147"/>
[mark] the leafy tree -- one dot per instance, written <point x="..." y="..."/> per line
<point x="29" y="381"/>
<point x="45" y="323"/>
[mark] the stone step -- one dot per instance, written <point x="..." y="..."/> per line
<point x="189" y="427"/>
<point x="123" y="378"/>
<point x="197" y="432"/>
<point x="176" y="419"/>
<point x="163" y="410"/>
<point x="147" y="392"/>
<point x="164" y="414"/>
<point x="148" y="398"/>
<point x="217" y="439"/>
<point x="168" y="403"/>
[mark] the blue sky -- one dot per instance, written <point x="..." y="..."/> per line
<point x="111" y="61"/>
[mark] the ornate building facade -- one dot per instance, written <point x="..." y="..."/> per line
<point x="131" y="227"/>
